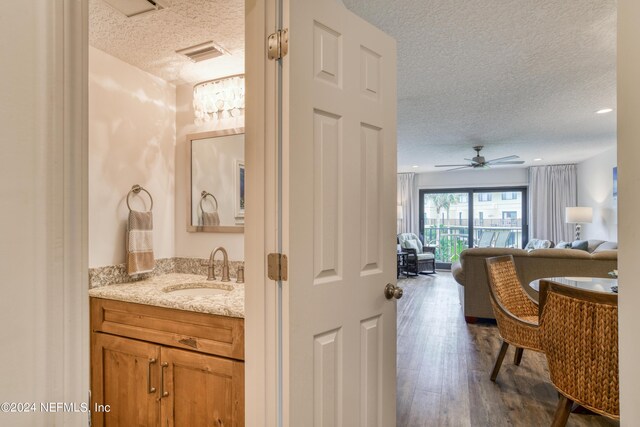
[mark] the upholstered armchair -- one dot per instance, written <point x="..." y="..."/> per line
<point x="420" y="258"/>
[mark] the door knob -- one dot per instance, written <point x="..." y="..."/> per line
<point x="392" y="291"/>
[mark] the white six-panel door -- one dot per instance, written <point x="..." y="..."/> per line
<point x="338" y="216"/>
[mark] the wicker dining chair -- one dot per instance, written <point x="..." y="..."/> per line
<point x="516" y="312"/>
<point x="579" y="333"/>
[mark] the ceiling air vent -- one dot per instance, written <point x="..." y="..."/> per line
<point x="136" y="7"/>
<point x="202" y="51"/>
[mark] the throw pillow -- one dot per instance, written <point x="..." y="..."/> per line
<point x="593" y="244"/>
<point x="563" y="245"/>
<point x="412" y="244"/>
<point x="607" y="246"/>
<point x="537" y="244"/>
<point x="583" y="245"/>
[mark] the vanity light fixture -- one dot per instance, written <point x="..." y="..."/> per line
<point x="218" y="99"/>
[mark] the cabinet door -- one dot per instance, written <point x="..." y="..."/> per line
<point x="124" y="376"/>
<point x="203" y="390"/>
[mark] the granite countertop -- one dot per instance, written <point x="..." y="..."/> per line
<point x="153" y="291"/>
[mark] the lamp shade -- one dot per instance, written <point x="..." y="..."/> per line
<point x="578" y="214"/>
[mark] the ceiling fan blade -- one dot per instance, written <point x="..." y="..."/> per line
<point x="452" y="166"/>
<point x="503" y="158"/>
<point x="455" y="169"/>
<point x="512" y="162"/>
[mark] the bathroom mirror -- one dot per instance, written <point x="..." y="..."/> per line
<point x="216" y="181"/>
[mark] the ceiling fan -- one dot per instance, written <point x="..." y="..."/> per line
<point x="479" y="161"/>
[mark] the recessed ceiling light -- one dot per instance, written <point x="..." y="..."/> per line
<point x="604" y="111"/>
<point x="537" y="159"/>
<point x="414" y="166"/>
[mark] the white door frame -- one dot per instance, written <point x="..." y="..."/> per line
<point x="261" y="220"/>
<point x="68" y="289"/>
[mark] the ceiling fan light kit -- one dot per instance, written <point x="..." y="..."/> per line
<point x="479" y="162"/>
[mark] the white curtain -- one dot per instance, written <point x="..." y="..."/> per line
<point x="407" y="203"/>
<point x="551" y="190"/>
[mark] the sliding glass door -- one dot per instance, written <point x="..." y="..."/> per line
<point x="498" y="219"/>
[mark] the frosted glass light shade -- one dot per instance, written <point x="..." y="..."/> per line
<point x="218" y="99"/>
<point x="579" y="215"/>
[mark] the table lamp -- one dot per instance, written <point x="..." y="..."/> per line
<point x="578" y="215"/>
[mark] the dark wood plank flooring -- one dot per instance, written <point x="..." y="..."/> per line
<point x="444" y="367"/>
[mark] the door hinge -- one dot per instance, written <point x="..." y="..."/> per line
<point x="277" y="266"/>
<point x="278" y="44"/>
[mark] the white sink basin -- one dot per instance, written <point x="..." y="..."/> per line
<point x="198" y="289"/>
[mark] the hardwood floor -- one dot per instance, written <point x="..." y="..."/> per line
<point x="444" y="367"/>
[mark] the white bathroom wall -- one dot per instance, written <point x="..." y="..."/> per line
<point x="197" y="244"/>
<point x="496" y="177"/>
<point x="132" y="138"/>
<point x="595" y="189"/>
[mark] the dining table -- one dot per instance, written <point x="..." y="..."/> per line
<point x="606" y="285"/>
<point x="595" y="284"/>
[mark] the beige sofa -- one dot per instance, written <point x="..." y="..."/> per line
<point x="471" y="274"/>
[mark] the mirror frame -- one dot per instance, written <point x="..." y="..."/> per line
<point x="206" y="228"/>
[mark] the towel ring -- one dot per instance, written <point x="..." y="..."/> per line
<point x="204" y="195"/>
<point x="137" y="189"/>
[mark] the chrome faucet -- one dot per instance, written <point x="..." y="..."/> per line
<point x="211" y="275"/>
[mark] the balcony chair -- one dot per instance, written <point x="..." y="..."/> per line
<point x="579" y="335"/>
<point x="516" y="313"/>
<point x="420" y="258"/>
<point x="502" y="238"/>
<point x="486" y="238"/>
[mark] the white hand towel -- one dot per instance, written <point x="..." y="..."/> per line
<point x="139" y="243"/>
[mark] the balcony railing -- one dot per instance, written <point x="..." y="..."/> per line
<point x="451" y="239"/>
<point x="490" y="222"/>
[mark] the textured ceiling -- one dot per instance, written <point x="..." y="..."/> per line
<point x="520" y="77"/>
<point x="149" y="41"/>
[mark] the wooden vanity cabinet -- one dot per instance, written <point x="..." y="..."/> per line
<point x="171" y="382"/>
<point x="203" y="390"/>
<point x="121" y="369"/>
